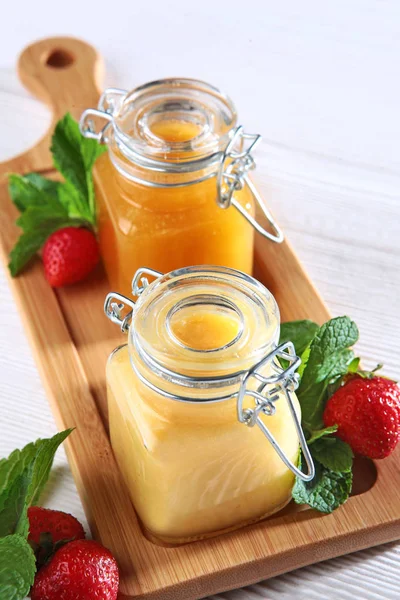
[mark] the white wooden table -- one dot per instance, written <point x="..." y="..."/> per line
<point x="320" y="81"/>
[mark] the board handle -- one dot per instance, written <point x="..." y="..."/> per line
<point x="65" y="73"/>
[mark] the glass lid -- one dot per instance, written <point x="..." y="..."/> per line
<point x="173" y="120"/>
<point x="204" y="322"/>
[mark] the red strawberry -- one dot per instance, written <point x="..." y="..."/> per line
<point x="82" y="570"/>
<point x="69" y="255"/>
<point x="49" y="529"/>
<point x="59" y="525"/>
<point x="367" y="412"/>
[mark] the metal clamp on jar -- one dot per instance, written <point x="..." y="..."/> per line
<point x="203" y="360"/>
<point x="176" y="157"/>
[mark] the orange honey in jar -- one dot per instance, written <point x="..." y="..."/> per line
<point x="172" y="190"/>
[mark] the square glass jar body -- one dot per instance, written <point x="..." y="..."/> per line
<point x="192" y="469"/>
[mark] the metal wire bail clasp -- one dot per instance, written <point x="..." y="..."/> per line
<point x="283" y="380"/>
<point x="109" y="104"/>
<point x="140" y="282"/>
<point x="115" y="303"/>
<point x="232" y="176"/>
<point x="114" y="308"/>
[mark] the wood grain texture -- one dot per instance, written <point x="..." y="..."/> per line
<point x="71" y="353"/>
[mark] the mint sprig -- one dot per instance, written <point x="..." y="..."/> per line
<point x="48" y="205"/>
<point x="327" y="357"/>
<point x="23" y="476"/>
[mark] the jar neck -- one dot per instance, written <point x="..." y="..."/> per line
<point x="177" y="410"/>
<point x="165" y="174"/>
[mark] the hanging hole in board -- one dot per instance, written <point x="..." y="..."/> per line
<point x="60" y="59"/>
<point x="364" y="475"/>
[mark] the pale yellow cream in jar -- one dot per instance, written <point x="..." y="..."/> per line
<point x="191" y="467"/>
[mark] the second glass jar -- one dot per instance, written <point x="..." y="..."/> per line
<point x="169" y="194"/>
<point x="195" y="398"/>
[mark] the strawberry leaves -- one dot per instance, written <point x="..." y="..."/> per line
<point x="48" y="205"/>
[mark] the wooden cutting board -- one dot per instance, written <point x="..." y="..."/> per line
<point x="71" y="340"/>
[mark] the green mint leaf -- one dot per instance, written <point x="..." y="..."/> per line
<point x="335" y="365"/>
<point x="67" y="155"/>
<point x="74" y="156"/>
<point x="90" y="152"/>
<point x="319" y="433"/>
<point x="304" y="360"/>
<point x="74" y="203"/>
<point x="23" y="476"/>
<point x="31" y="190"/>
<point x="49" y="186"/>
<point x="28" y="244"/>
<point x="301" y="333"/>
<point x="328" y="359"/>
<point x="13" y="516"/>
<point x="313" y="400"/>
<point x="42" y="217"/>
<point x="333" y="453"/>
<point x="13" y="467"/>
<point x="17" y="568"/>
<point x="326" y="492"/>
<point x="46" y="450"/>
